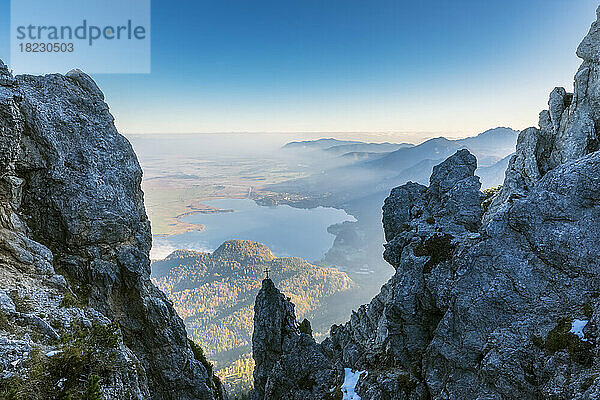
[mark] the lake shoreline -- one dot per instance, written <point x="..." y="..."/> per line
<point x="225" y="219"/>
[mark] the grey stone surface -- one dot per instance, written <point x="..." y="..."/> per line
<point x="496" y="305"/>
<point x="71" y="203"/>
<point x="289" y="363"/>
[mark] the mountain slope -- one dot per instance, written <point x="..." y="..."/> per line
<point x="497" y="140"/>
<point x="491" y="299"/>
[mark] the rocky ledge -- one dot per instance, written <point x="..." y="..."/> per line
<point x="79" y="315"/>
<point x="495" y="296"/>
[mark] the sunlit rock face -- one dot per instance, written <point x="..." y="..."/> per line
<point x="490" y="300"/>
<point x="71" y="204"/>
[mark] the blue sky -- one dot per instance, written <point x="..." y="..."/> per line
<point x="412" y="68"/>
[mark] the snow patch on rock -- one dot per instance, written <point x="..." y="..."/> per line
<point x="577" y="328"/>
<point x="349" y="386"/>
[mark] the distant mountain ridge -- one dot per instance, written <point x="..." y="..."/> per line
<point x="489" y="147"/>
<point x="498" y="141"/>
<point x="319" y="143"/>
<point x="367" y="147"/>
<point x="341" y="147"/>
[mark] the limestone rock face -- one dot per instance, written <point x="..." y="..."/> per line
<point x="72" y="203"/>
<point x="501" y="304"/>
<point x="289" y="363"/>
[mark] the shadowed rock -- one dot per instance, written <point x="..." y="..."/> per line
<point x="289" y="363"/>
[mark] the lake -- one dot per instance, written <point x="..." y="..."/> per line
<point x="287" y="231"/>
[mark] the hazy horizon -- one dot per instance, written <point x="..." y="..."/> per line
<point x="429" y="68"/>
<point x="373" y="137"/>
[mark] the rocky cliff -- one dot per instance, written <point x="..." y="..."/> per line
<point x="493" y="297"/>
<point x="79" y="314"/>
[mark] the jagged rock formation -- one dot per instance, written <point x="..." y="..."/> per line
<point x="70" y="202"/>
<point x="500" y="303"/>
<point x="289" y="363"/>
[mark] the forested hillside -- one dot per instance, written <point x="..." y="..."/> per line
<point x="214" y="294"/>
